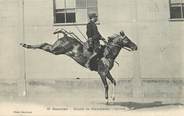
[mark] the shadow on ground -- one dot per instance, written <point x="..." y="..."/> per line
<point x="135" y="105"/>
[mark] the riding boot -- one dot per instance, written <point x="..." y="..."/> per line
<point x="88" y="62"/>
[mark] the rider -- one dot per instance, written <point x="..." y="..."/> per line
<point x="94" y="37"/>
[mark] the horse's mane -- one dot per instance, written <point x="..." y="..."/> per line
<point x="112" y="37"/>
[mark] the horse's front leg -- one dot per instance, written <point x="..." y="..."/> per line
<point x="109" y="76"/>
<point x="113" y="81"/>
<point x="103" y="77"/>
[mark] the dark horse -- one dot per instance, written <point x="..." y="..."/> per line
<point x="74" y="48"/>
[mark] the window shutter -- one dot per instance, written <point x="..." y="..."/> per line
<point x="183" y="10"/>
<point x="60" y="4"/>
<point x="92" y="10"/>
<point x="177" y="1"/>
<point x="91" y="3"/>
<point x="81" y="4"/>
<point x="176" y="9"/>
<point x="92" y="6"/>
<point x="81" y="16"/>
<point x="70" y="3"/>
<point x="176" y="12"/>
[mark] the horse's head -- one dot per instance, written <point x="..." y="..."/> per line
<point x="122" y="41"/>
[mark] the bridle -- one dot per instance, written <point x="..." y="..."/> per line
<point x="116" y="45"/>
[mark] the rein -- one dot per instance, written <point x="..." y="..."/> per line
<point x="111" y="44"/>
<point x="115" y="45"/>
<point x="108" y="45"/>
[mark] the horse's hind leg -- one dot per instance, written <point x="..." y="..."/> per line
<point x="56" y="48"/>
<point x="39" y="46"/>
<point x="46" y="47"/>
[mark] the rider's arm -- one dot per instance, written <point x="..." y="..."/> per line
<point x="96" y="32"/>
<point x="89" y="31"/>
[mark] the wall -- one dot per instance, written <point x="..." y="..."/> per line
<point x="146" y="22"/>
<point x="10" y="34"/>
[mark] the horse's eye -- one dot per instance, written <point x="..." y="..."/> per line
<point x="110" y="39"/>
<point x="125" y="41"/>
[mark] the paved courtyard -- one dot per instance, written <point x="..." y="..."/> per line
<point x="55" y="97"/>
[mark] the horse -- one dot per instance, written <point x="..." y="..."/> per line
<point x="72" y="46"/>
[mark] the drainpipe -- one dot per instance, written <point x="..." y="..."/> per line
<point x="22" y="81"/>
<point x="137" y="89"/>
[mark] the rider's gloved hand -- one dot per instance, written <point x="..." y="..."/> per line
<point x="103" y="39"/>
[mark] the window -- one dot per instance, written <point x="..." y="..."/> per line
<point x="73" y="11"/>
<point x="177" y="9"/>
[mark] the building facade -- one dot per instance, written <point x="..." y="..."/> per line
<point x="156" y="26"/>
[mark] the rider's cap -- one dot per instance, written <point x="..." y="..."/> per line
<point x="92" y="15"/>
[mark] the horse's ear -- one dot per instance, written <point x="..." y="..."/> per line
<point x="110" y="39"/>
<point x="122" y="33"/>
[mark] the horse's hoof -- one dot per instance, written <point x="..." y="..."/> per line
<point x="25" y="46"/>
<point x="107" y="102"/>
<point x="21" y="44"/>
<point x="114" y="83"/>
<point x="132" y="108"/>
<point x="127" y="109"/>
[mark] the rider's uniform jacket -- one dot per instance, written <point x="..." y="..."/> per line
<point x="93" y="35"/>
<point x="92" y="31"/>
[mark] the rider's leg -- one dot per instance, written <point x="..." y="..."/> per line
<point x="90" y="49"/>
<point x="88" y="61"/>
<point x="95" y="46"/>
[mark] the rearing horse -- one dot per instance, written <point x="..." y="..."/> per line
<point x="73" y="48"/>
